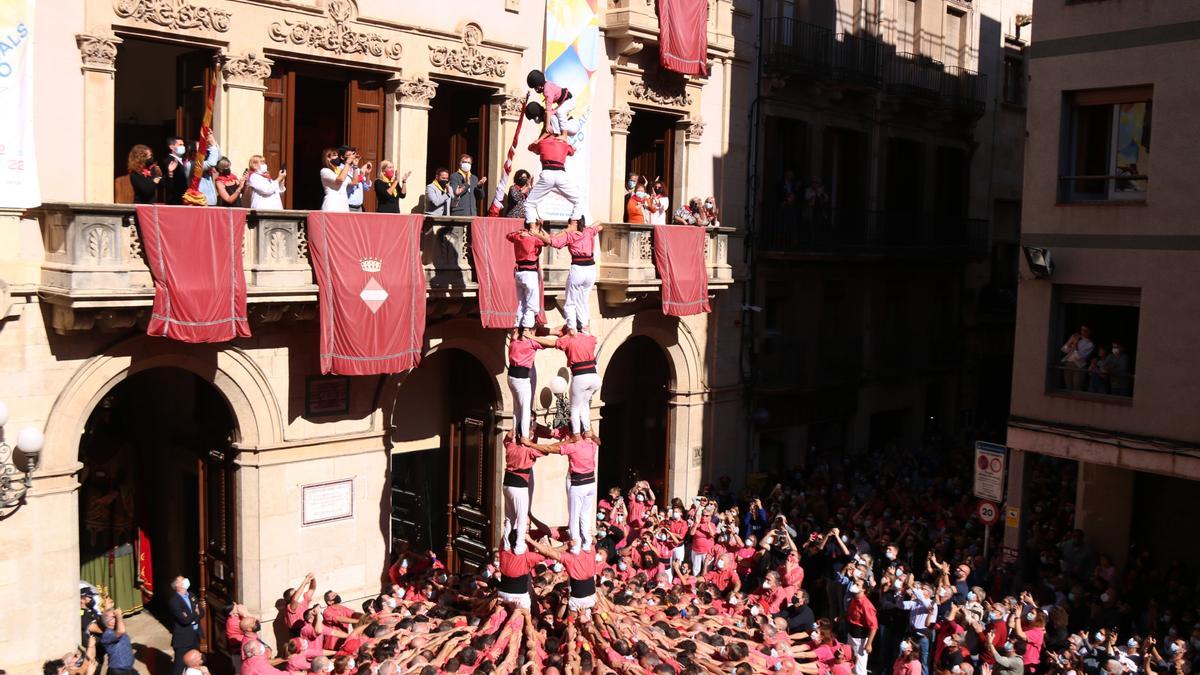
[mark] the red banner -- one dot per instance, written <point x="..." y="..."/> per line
<point x="372" y="291"/>
<point x="495" y="266"/>
<point x="195" y="258"/>
<point x="683" y="36"/>
<point x="679" y="257"/>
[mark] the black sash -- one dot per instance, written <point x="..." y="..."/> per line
<point x="552" y="165"/>
<point x="514" y="585"/>
<point x="527" y="265"/>
<point x="583" y="367"/>
<point x="584" y="262"/>
<point x="519" y="371"/>
<point x="583" y="588"/>
<point x="583" y="478"/>
<point x="516" y="479"/>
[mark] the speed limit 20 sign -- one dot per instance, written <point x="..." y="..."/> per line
<point x="988" y="512"/>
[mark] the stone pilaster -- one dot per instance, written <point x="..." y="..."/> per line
<point x="98" y="55"/>
<point x="619" y="120"/>
<point x="242" y="105"/>
<point x="410" y="108"/>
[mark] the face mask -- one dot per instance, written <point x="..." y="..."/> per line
<point x="303" y="644"/>
<point x="336" y="161"/>
<point x="641" y="498"/>
<point x="350" y="665"/>
<point x="676" y="515"/>
<point x="225" y="171"/>
<point x="149" y="161"/>
<point x="390" y="173"/>
<point x="262" y="168"/>
<point x="601" y="533"/>
<point x="1104" y="597"/>
<point x="897" y="584"/>
<point x="754" y="610"/>
<point x="720" y="564"/>
<point x="622" y="566"/>
<point x="599" y="557"/>
<point x="630" y="184"/>
<point x="257" y="627"/>
<point x="392" y="601"/>
<point x="179" y="150"/>
<point x="558" y="567"/>
<point x="641" y="194"/>
<point x="708" y="205"/>
<point x="187" y="583"/>
<point x="994" y="617"/>
<point x="1029" y="616"/>
<point x="465" y="166"/>
<point x="891" y="555"/>
<point x="971" y="596"/>
<point x="766" y="585"/>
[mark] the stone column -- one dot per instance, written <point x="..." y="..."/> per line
<point x="619" y="120"/>
<point x="507" y="109"/>
<point x="693" y="134"/>
<point x="239" y="124"/>
<point x="685" y="443"/>
<point x="98" y="52"/>
<point x="412" y="99"/>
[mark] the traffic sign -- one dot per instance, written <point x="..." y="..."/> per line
<point x="989" y="471"/>
<point x="988" y="512"/>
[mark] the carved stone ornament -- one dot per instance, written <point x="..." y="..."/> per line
<point x="419" y="91"/>
<point x="98" y="50"/>
<point x="694" y="131"/>
<point x="468" y="60"/>
<point x="249" y="68"/>
<point x="620" y="118"/>
<point x="335" y="37"/>
<point x="661" y="93"/>
<point x="512" y="107"/>
<point x="173" y="14"/>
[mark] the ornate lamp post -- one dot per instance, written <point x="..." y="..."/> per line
<point x="562" y="413"/>
<point x="29" y="442"/>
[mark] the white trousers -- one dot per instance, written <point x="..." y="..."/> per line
<point x="697" y="562"/>
<point x="859" y="647"/>
<point x="519" y="599"/>
<point x="583" y="387"/>
<point x="580" y="280"/>
<point x="527" y="298"/>
<point x="516" y="514"/>
<point x="558" y="182"/>
<point x="581" y="504"/>
<point x="522" y="389"/>
<point x="561" y="120"/>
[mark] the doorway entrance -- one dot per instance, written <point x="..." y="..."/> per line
<point x="309" y="108"/>
<point x="633" y="422"/>
<point x="443" y="492"/>
<point x="650" y="150"/>
<point x="159" y="93"/>
<point x="158" y="497"/>
<point x="459" y="125"/>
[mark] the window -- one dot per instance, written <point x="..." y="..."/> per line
<point x="1106" y="153"/>
<point x="955" y="37"/>
<point x="1093" y="346"/>
<point x="1014" y="79"/>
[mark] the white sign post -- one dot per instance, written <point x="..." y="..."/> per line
<point x="989" y="471"/>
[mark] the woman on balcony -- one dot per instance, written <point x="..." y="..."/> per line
<point x="265" y="193"/>
<point x="335" y="176"/>
<point x="229" y="187"/>
<point x="517" y="195"/>
<point x="390" y="188"/>
<point x="144" y="174"/>
<point x="637" y="205"/>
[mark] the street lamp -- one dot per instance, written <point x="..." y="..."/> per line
<point x="29" y="442"/>
<point x="562" y="414"/>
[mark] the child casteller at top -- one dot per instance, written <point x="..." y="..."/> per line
<point x="556" y="113"/>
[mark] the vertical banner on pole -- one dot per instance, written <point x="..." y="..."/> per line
<point x="18" y="166"/>
<point x="574" y="53"/>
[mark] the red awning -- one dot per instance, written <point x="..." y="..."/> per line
<point x="495" y="264"/>
<point x="372" y="291"/>
<point x="195" y="258"/>
<point x="683" y="36"/>
<point x="679" y="257"/>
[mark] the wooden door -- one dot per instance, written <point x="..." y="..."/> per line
<point x="218" y="522"/>
<point x="651" y="151"/>
<point x="279" y="126"/>
<point x="469" y="538"/>
<point x="365" y="121"/>
<point x="192" y="73"/>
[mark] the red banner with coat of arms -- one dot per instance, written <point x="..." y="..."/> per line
<point x="371" y="291"/>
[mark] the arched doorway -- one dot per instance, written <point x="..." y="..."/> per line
<point x="442" y="464"/>
<point x="633" y="422"/>
<point x="157" y="493"/>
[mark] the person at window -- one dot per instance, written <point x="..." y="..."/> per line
<point x="660" y="203"/>
<point x="229" y="187"/>
<point x="1098" y="371"/>
<point x="466" y="187"/>
<point x="360" y="178"/>
<point x="176" y="169"/>
<point x="265" y="192"/>
<point x="712" y="212"/>
<point x="518" y="193"/>
<point x="208" y="179"/>
<point x="1077" y="355"/>
<point x="144" y="174"/>
<point x="637" y="205"/>
<point x="438" y="198"/>
<point x="691" y="213"/>
<point x="390" y="188"/>
<point x="631" y="182"/>
<point x="335" y="177"/>
<point x="1120" y="380"/>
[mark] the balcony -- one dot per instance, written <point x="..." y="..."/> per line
<point x="795" y="47"/>
<point x="634" y="23"/>
<point x="94" y="273"/>
<point x="854" y="232"/>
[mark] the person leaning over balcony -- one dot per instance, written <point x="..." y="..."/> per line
<point x="691" y="213"/>
<point x="229" y="187"/>
<point x="517" y="194"/>
<point x="437" y="194"/>
<point x="637" y="204"/>
<point x="144" y="174"/>
<point x="390" y="188"/>
<point x="265" y="193"/>
<point x="335" y="176"/>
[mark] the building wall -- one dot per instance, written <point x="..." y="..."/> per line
<point x="53" y="381"/>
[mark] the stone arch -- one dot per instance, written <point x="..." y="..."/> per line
<point x="255" y="409"/>
<point x="673" y="336"/>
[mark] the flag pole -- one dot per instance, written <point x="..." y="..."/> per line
<point x="502" y="184"/>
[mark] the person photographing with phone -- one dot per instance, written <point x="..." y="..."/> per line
<point x="335" y="178"/>
<point x="265" y="192"/>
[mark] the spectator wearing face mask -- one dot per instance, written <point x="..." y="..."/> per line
<point x="144" y="174"/>
<point x="265" y="193"/>
<point x="660" y="203"/>
<point x="336" y="175"/>
<point x="711" y="212"/>
<point x="390" y="188"/>
<point x="207" y="184"/>
<point x="466" y="188"/>
<point x="637" y="203"/>
<point x="438" y="197"/>
<point x="228" y="186"/>
<point x="176" y="171"/>
<point x="185" y="618"/>
<point x="517" y="194"/>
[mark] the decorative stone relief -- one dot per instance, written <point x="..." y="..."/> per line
<point x="335" y="37"/>
<point x="662" y="93"/>
<point x="418" y="91"/>
<point x="468" y="60"/>
<point x="277" y="246"/>
<point x="301" y="243"/>
<point x="512" y="107"/>
<point x="694" y="131"/>
<point x="98" y="51"/>
<point x="645" y="246"/>
<point x="135" y="243"/>
<point x="620" y="119"/>
<point x="99" y="244"/>
<point x="249" y="68"/>
<point x="173" y="14"/>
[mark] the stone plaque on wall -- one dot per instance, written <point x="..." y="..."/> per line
<point x="327" y="502"/>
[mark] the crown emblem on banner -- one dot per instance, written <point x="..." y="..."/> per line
<point x="371" y="264"/>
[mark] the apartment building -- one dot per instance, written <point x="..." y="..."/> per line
<point x="1102" y="375"/>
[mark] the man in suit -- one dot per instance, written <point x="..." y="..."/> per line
<point x="185" y="617"/>
<point x="466" y="188"/>
<point x="176" y="171"/>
